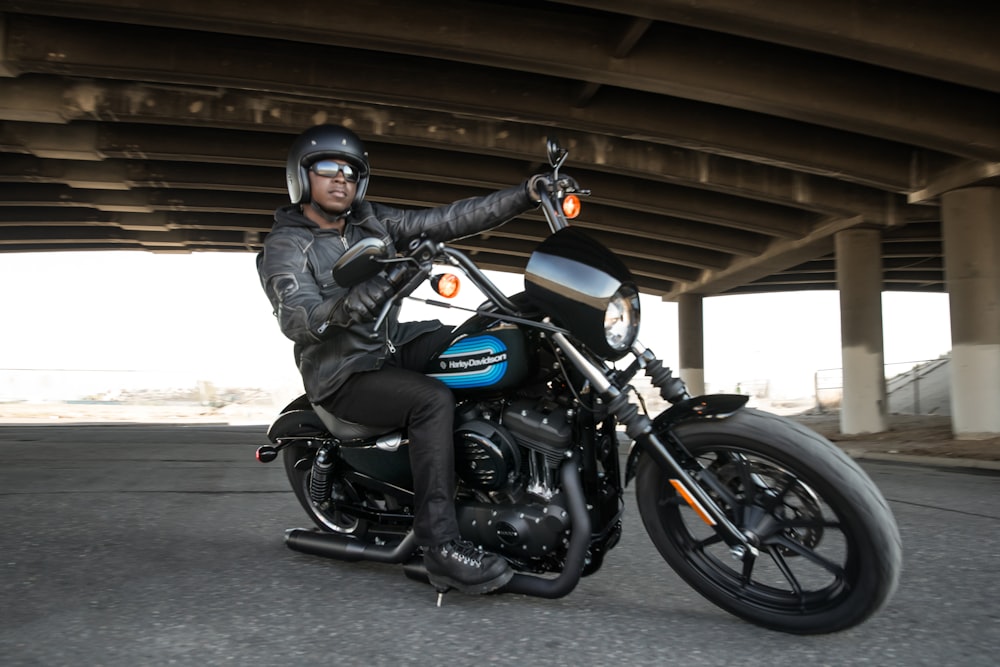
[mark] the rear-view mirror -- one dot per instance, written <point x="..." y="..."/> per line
<point x="360" y="262"/>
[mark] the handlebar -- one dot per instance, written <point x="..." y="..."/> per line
<point x="423" y="252"/>
<point x="550" y="198"/>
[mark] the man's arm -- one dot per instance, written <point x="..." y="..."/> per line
<point x="303" y="314"/>
<point x="464" y="217"/>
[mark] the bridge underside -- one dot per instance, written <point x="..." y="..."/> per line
<point x="726" y="143"/>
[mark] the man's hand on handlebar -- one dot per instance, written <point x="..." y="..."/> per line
<point x="537" y="182"/>
<point x="365" y="300"/>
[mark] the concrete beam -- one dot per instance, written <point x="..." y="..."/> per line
<point x="618" y="156"/>
<point x="778" y="256"/>
<point x="457" y="88"/>
<point x="6" y="68"/>
<point x="958" y="46"/>
<point x="963" y="175"/>
<point x="672" y="60"/>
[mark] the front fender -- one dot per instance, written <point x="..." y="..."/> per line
<point x="714" y="406"/>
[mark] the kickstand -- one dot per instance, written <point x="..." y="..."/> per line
<point x="441" y="592"/>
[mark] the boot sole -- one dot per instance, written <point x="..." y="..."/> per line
<point x="443" y="583"/>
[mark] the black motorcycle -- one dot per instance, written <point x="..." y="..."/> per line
<point x="762" y="516"/>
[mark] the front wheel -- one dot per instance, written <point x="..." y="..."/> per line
<point x="829" y="549"/>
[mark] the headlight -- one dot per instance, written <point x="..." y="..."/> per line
<point x="621" y="319"/>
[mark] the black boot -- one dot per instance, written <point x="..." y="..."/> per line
<point x="458" y="564"/>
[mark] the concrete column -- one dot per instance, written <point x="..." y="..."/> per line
<point x="864" y="408"/>
<point x="691" y="342"/>
<point x="971" y="233"/>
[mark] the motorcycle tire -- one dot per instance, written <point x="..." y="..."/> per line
<point x="298" y="467"/>
<point x="829" y="548"/>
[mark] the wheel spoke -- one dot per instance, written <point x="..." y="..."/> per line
<point x="808" y="554"/>
<point x="786" y="571"/>
<point x="809" y="523"/>
<point x="747" y="574"/>
<point x="779" y="497"/>
<point x="714" y="538"/>
<point x="746" y="479"/>
<point x="711" y="480"/>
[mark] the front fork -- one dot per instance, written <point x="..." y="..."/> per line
<point x="639" y="428"/>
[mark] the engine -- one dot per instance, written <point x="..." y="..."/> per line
<point x="509" y="455"/>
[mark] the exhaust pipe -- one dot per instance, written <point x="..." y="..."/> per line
<point x="345" y="547"/>
<point x="529" y="584"/>
<point x="576" y="553"/>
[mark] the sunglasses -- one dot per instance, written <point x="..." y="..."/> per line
<point x="330" y="169"/>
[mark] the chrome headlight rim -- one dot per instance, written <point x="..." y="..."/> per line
<point x="621" y="318"/>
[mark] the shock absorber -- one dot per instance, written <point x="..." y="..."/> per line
<point x="321" y="480"/>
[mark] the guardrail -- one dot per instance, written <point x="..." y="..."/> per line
<point x="905" y="382"/>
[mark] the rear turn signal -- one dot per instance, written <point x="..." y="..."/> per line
<point x="266" y="453"/>
<point x="446" y="284"/>
<point x="571" y="206"/>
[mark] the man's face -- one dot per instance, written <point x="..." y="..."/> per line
<point x="333" y="194"/>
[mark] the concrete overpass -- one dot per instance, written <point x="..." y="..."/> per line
<point x="732" y="147"/>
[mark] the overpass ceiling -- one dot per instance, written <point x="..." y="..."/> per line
<point x="725" y="142"/>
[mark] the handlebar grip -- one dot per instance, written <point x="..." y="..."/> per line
<point x="397" y="274"/>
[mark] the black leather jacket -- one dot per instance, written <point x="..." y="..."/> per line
<point x="296" y="266"/>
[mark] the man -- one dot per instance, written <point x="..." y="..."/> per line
<point x="377" y="382"/>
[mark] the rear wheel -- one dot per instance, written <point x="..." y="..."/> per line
<point x="327" y="516"/>
<point x="829" y="549"/>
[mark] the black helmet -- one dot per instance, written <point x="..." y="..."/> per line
<point x="316" y="143"/>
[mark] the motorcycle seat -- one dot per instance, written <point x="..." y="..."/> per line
<point x="344" y="429"/>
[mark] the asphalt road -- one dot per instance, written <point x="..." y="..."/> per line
<point x="163" y="545"/>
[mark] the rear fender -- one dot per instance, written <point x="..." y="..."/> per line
<point x="300" y="403"/>
<point x="714" y="406"/>
<point x="301" y="423"/>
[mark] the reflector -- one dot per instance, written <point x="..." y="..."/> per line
<point x="690" y="500"/>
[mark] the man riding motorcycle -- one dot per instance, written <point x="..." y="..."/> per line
<point x="377" y="381"/>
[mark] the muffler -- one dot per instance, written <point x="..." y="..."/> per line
<point x="346" y="547"/>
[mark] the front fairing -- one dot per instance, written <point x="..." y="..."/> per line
<point x="571" y="277"/>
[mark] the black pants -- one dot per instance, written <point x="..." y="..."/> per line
<point x="399" y="395"/>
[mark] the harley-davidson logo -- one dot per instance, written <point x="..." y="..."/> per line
<point x="464" y="364"/>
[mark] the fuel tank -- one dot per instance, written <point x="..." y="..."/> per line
<point x="486" y="361"/>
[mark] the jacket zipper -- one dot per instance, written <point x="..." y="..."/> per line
<point x="323" y="327"/>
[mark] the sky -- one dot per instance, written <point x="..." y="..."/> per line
<point x="119" y="317"/>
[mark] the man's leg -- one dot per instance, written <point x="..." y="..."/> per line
<point x="397" y="398"/>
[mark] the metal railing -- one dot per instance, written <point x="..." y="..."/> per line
<point x="905" y="383"/>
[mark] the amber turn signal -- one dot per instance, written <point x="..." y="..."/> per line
<point x="571" y="206"/>
<point x="446" y="284"/>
